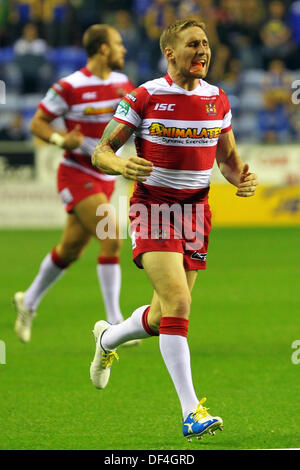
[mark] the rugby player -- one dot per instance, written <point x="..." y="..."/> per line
<point x="181" y="124"/>
<point x="86" y="100"/>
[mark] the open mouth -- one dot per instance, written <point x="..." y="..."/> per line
<point x="197" y="66"/>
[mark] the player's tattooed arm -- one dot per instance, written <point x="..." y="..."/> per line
<point x="114" y="136"/>
<point x="233" y="168"/>
<point x="105" y="159"/>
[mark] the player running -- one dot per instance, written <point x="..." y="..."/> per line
<point x="182" y="124"/>
<point x="86" y="100"/>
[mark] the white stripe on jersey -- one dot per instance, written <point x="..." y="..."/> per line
<point x="179" y="179"/>
<point x="95" y="174"/>
<point x="160" y="86"/>
<point x="227" y="120"/>
<point x="54" y="103"/>
<point x="79" y="79"/>
<point x="131" y="116"/>
<point x="80" y="118"/>
<point x="88" y="146"/>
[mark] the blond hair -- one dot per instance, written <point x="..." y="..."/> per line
<point x="169" y="35"/>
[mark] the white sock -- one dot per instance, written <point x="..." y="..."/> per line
<point x="48" y="274"/>
<point x="132" y="328"/>
<point x="176" y="354"/>
<point x="109" y="276"/>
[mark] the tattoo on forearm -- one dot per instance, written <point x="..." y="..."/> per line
<point x="100" y="148"/>
<point x="115" y="135"/>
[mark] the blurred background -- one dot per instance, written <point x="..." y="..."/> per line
<point x="245" y="312"/>
<point x="256" y="60"/>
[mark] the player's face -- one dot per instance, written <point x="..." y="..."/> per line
<point x="191" y="53"/>
<point x="117" y="51"/>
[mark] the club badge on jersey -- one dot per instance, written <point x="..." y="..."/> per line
<point x="211" y="109"/>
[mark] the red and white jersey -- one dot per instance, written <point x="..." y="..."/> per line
<point x="178" y="131"/>
<point x="82" y="98"/>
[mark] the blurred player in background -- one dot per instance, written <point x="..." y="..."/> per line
<point x="182" y="124"/>
<point x="86" y="100"/>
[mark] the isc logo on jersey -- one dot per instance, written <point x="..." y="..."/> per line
<point x="164" y="107"/>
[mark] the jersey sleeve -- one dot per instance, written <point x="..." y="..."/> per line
<point x="131" y="108"/>
<point x="57" y="100"/>
<point x="226" y="125"/>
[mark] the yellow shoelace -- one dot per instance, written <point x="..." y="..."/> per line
<point x="201" y="411"/>
<point x="108" y="358"/>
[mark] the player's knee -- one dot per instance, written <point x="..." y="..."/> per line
<point x="111" y="247"/>
<point x="178" y="303"/>
<point x="70" y="252"/>
<point x="182" y="307"/>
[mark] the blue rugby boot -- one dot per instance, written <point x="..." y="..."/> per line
<point x="201" y="422"/>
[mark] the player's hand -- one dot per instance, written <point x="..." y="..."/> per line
<point x="73" y="139"/>
<point x="137" y="169"/>
<point x="248" y="183"/>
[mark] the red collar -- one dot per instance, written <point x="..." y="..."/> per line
<point x="168" y="78"/>
<point x="86" y="71"/>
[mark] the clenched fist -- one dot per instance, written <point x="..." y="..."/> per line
<point x="248" y="183"/>
<point x="73" y="139"/>
<point x="136" y="168"/>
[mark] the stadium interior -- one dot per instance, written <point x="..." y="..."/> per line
<point x="255" y="43"/>
<point x="244" y="334"/>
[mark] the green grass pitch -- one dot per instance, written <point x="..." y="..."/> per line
<point x="245" y="316"/>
